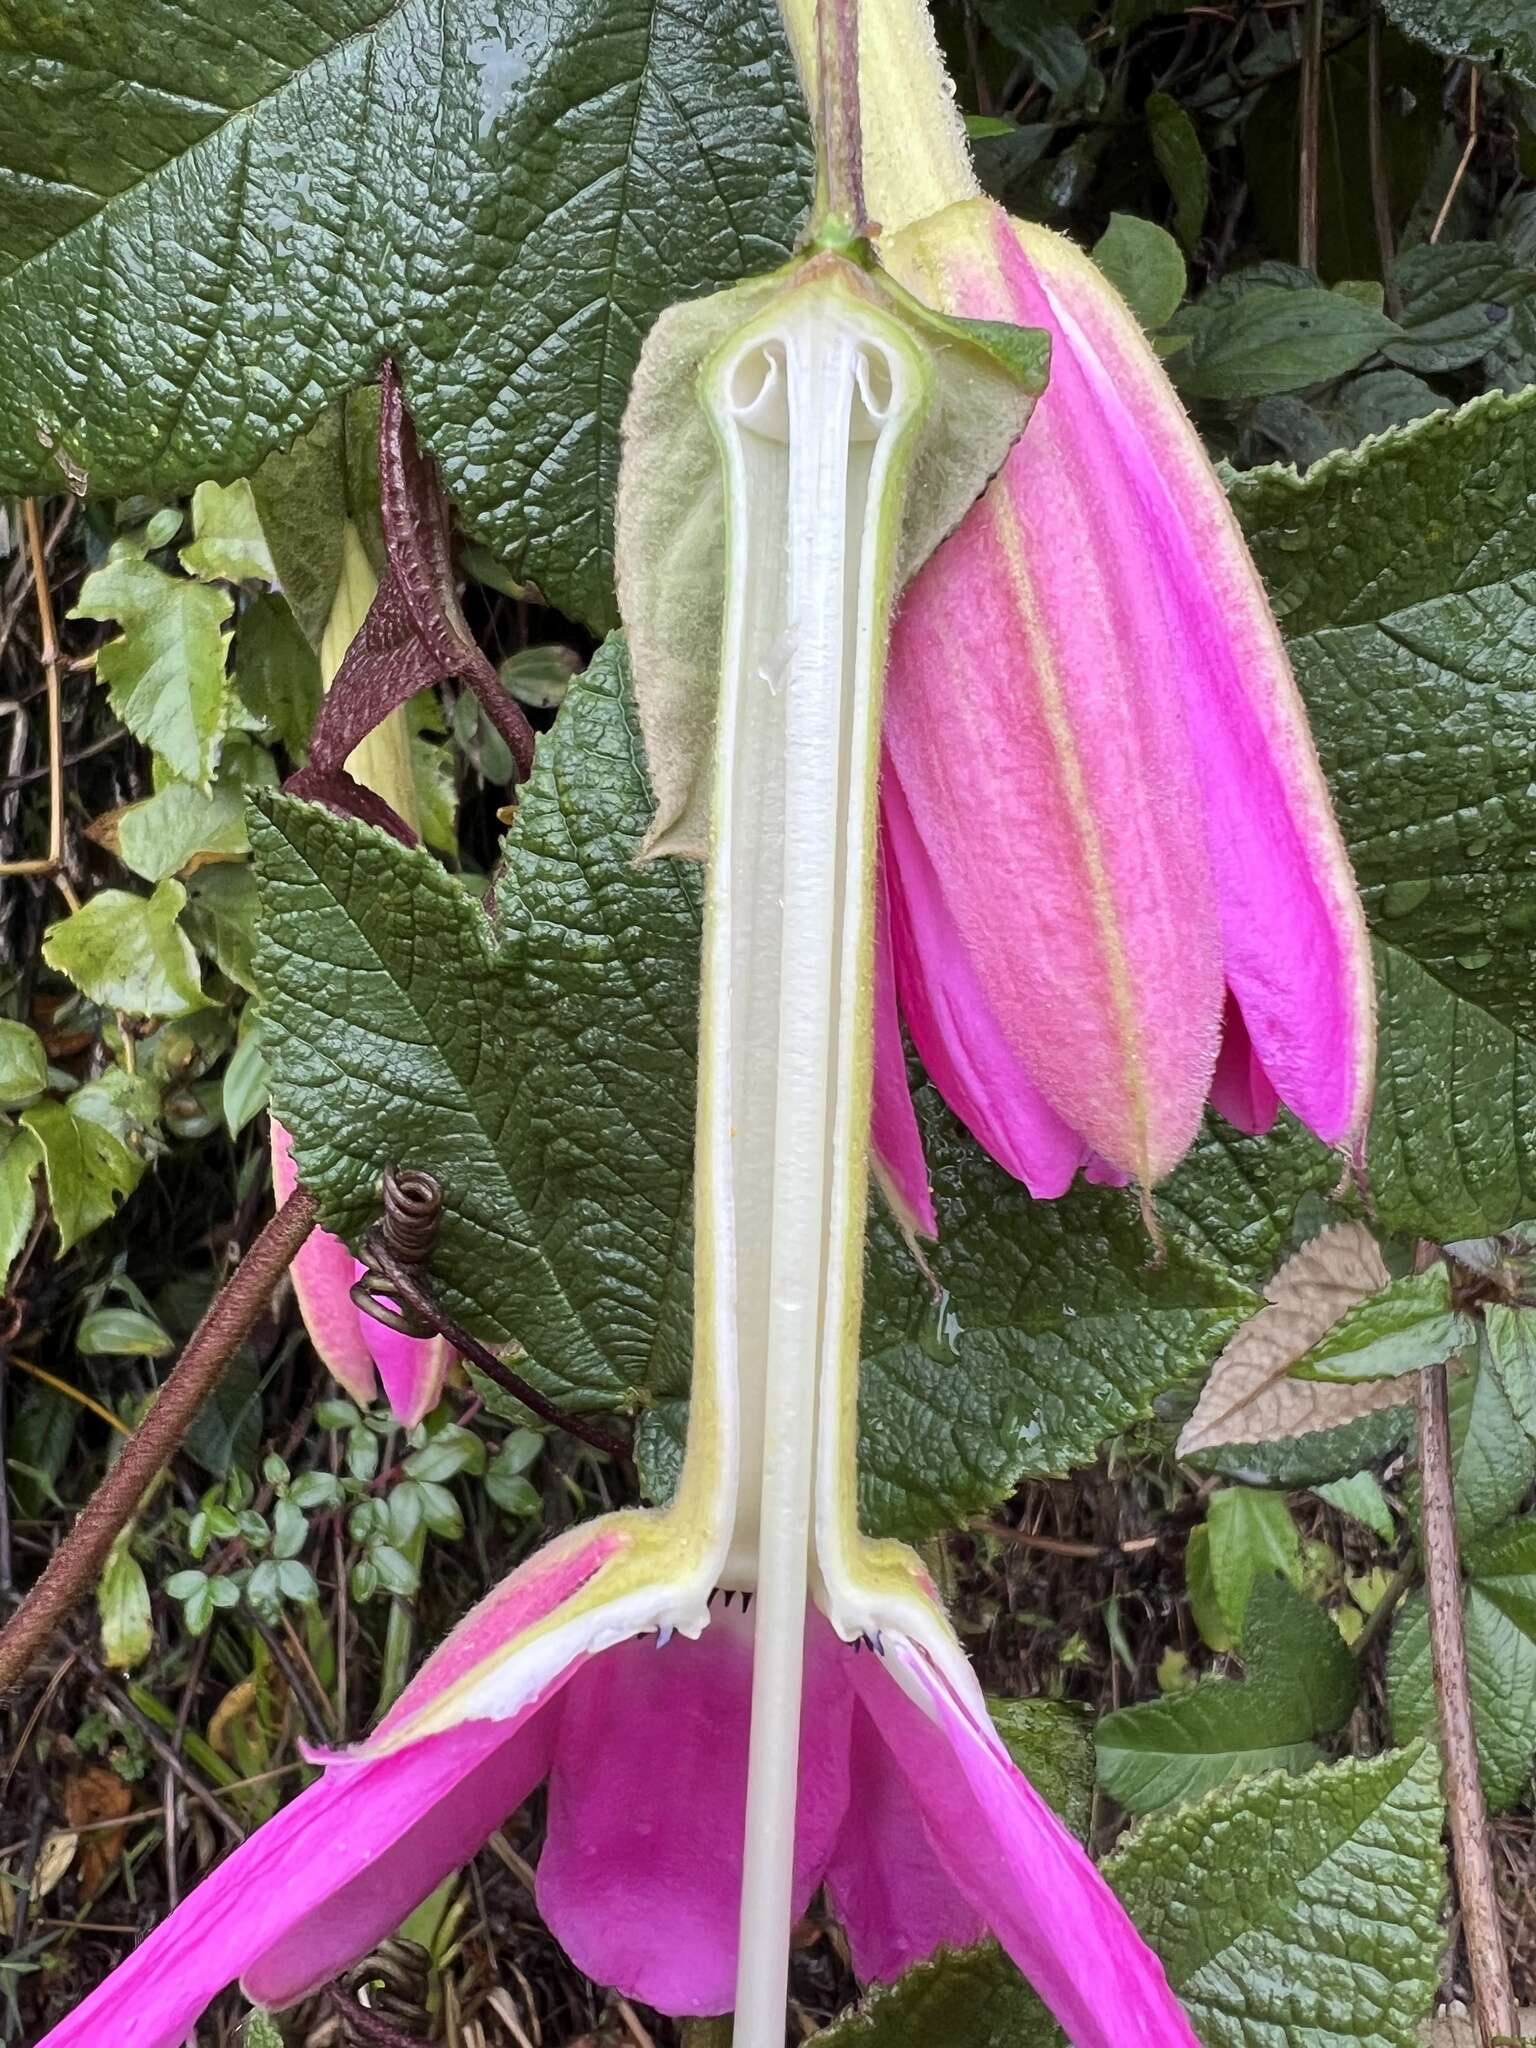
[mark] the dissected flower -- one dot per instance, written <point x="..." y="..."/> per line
<point x="1115" y="886"/>
<point x="793" y="451"/>
<point x="908" y="1809"/>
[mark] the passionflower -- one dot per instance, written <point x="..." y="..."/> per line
<point x="736" y="1696"/>
<point x="1115" y="887"/>
<point x="356" y="1348"/>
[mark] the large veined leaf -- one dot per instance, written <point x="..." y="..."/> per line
<point x="1401" y="574"/>
<point x="1488" y="31"/>
<point x="215" y="219"/>
<point x="1499" y="1617"/>
<point x="1284" y="1909"/>
<point x="541" y="1065"/>
<point x="1301" y="1683"/>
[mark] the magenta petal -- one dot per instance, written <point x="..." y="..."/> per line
<point x="317" y="1886"/>
<point x="892" y="1896"/>
<point x="1241" y="1091"/>
<point x="1293" y="938"/>
<point x="894" y="1137"/>
<point x="504" y="1761"/>
<point x="322" y="1274"/>
<point x="412" y="1369"/>
<point x="1035" y="718"/>
<point x="1009" y="1855"/>
<point x="957" y="1035"/>
<point x="640" y="1880"/>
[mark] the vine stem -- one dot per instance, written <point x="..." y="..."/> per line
<point x="76" y="1565"/>
<point x="839" y="128"/>
<point x="1492" y="1996"/>
<point x="409" y="1287"/>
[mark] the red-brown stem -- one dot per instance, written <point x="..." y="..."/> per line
<point x="1492" y="1997"/>
<point x="839" y="129"/>
<point x="77" y="1563"/>
<point x="1310" y="117"/>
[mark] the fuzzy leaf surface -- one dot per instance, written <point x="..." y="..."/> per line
<point x="214" y="222"/>
<point x="1300" y="1683"/>
<point x="541" y="1064"/>
<point x="1283" y="1909"/>
<point x="1400" y="573"/>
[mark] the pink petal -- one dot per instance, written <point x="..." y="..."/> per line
<point x="1035" y="718"/>
<point x="323" y="1274"/>
<point x="350" y="1343"/>
<point x="893" y="1134"/>
<point x="1293" y="935"/>
<point x="316" y="1887"/>
<point x="479" y="1644"/>
<point x="1240" y="1089"/>
<point x="1019" y="1868"/>
<point x="956" y="1032"/>
<point x="640" y="1879"/>
<point x="412" y="1368"/>
<point x="892" y="1896"/>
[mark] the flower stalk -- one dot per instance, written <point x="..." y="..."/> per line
<point x="813" y="408"/>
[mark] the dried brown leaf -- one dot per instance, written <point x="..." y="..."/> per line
<point x="1249" y="1398"/>
<point x="92" y="1795"/>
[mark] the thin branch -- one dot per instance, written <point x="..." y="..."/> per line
<point x="407" y="1285"/>
<point x="1311" y="117"/>
<point x="839" y="129"/>
<point x="37" y="556"/>
<point x="76" y="1565"/>
<point x="1466" y="158"/>
<point x="1381" y="194"/>
<point x="1492" y="1996"/>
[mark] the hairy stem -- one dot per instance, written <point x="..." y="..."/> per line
<point x="1492" y="1997"/>
<point x="76" y="1565"/>
<point x="839" y="131"/>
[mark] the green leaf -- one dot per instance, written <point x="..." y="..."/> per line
<point x="1509" y="1353"/>
<point x="1143" y="263"/>
<point x="1408" y="1325"/>
<point x="243" y="214"/>
<point x="88" y="1167"/>
<point x="542" y="1068"/>
<point x="1283" y="1909"/>
<point x="247" y="1084"/>
<point x="1499" y="1620"/>
<point x="180" y="824"/>
<point x="1301" y="1683"/>
<point x="230" y="546"/>
<point x="1050" y="1742"/>
<point x="129" y="953"/>
<point x="1457" y="297"/>
<point x="1274" y="338"/>
<point x="1493" y="1461"/>
<point x="21" y="1153"/>
<point x="1361" y="1498"/>
<point x="1497" y="32"/>
<point x="1316" y="1457"/>
<point x="1252" y="1535"/>
<point x="122" y="1604"/>
<point x="165" y="674"/>
<point x="277" y="674"/>
<point x="119" y="1332"/>
<point x="1401" y="578"/>
<point x="1181" y="159"/>
<point x="220" y="919"/>
<point x="1338" y="1939"/>
<point x="23" y="1064"/>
